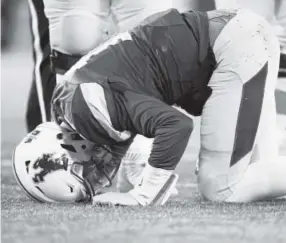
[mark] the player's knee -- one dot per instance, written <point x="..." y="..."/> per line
<point x="81" y="32"/>
<point x="211" y="185"/>
<point x="207" y="188"/>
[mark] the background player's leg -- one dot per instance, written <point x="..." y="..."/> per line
<point x="241" y="113"/>
<point x="38" y="109"/>
<point x="78" y="26"/>
<point x="225" y="4"/>
<point x="7" y="23"/>
<point x="281" y="34"/>
<point x="128" y="13"/>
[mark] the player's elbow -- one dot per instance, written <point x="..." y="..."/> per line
<point x="170" y="143"/>
<point x="81" y="32"/>
<point x="185" y="125"/>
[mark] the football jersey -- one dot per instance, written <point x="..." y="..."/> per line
<point x="127" y="85"/>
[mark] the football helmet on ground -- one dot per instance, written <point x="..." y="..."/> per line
<point x="55" y="164"/>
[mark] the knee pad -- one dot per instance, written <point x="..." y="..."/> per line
<point x="82" y="31"/>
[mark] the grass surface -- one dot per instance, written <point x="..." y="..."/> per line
<point x="185" y="218"/>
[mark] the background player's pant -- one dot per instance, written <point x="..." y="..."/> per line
<point x="78" y="26"/>
<point x="38" y="109"/>
<point x="90" y="22"/>
<point x="239" y="149"/>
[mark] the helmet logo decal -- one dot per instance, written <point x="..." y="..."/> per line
<point x="47" y="163"/>
<point x="32" y="136"/>
<point x="27" y="165"/>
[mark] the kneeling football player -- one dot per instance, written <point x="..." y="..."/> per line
<point x="195" y="60"/>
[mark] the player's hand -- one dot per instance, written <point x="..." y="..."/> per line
<point x="114" y="199"/>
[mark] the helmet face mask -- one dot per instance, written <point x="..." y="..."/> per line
<point x="98" y="176"/>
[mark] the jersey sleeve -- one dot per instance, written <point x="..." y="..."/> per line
<point x="170" y="128"/>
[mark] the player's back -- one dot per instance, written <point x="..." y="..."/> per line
<point x="160" y="57"/>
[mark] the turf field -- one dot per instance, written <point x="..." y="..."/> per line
<point x="186" y="218"/>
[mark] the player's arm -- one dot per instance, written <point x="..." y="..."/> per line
<point x="171" y="131"/>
